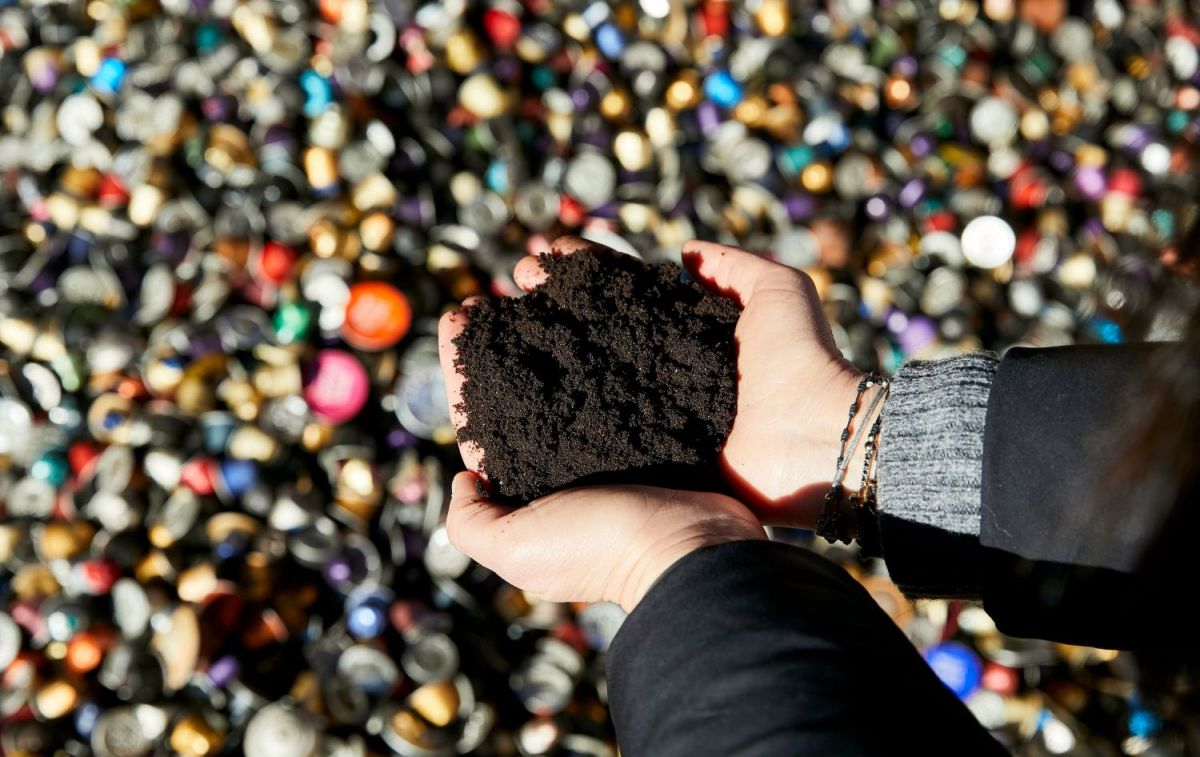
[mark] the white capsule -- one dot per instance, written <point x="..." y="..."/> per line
<point x="988" y="242"/>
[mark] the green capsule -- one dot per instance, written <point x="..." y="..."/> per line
<point x="292" y="322"/>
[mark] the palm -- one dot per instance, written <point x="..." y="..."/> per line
<point x="781" y="449"/>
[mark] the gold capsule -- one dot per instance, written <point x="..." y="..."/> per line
<point x="436" y="702"/>
<point x="616" y="105"/>
<point x="194" y="737"/>
<point x="320" y="166"/>
<point x="55" y="699"/>
<point x="684" y="92"/>
<point x="464" y="53"/>
<point x="376" y="230"/>
<point x="60" y="540"/>
<point x="773" y="17"/>
<point x="817" y="177"/>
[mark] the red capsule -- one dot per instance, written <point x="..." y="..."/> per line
<point x="112" y="192"/>
<point x="275" y="262"/>
<point x="95" y="577"/>
<point x="1000" y="679"/>
<point x="570" y="212"/>
<point x="1125" y="181"/>
<point x="197" y="475"/>
<point x="82" y="456"/>
<point x="503" y="27"/>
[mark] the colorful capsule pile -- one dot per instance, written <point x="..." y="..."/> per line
<point x="227" y="230"/>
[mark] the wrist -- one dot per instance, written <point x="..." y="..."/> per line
<point x="656" y="561"/>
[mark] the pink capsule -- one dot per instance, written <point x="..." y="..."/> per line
<point x="337" y="387"/>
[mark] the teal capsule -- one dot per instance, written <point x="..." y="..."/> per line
<point x="51" y="467"/>
<point x="794" y="159"/>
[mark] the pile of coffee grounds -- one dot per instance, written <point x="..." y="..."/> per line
<point x="612" y="371"/>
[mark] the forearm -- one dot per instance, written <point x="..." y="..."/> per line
<point x="759" y="648"/>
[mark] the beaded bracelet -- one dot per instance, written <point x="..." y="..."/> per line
<point x="831" y="525"/>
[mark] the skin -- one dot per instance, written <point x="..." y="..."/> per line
<point x="611" y="543"/>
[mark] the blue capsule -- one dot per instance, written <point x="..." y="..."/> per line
<point x="722" y="89"/>
<point x="109" y="76"/>
<point x="1144" y="723"/>
<point x="497" y="177"/>
<point x="956" y="666"/>
<point x="610" y="41"/>
<point x="239" y="475"/>
<point x="318" y="91"/>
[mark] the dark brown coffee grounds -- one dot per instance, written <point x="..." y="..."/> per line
<point x="611" y="371"/>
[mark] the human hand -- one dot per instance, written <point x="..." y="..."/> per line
<point x="591" y="544"/>
<point x="794" y="387"/>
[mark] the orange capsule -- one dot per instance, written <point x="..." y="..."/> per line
<point x="377" y="316"/>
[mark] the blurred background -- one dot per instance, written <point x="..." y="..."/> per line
<point x="227" y="230"/>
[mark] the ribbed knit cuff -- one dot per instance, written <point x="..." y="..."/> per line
<point x="931" y="452"/>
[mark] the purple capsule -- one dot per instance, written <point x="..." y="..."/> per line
<point x="1090" y="182"/>
<point x="911" y="193"/>
<point x="223" y="670"/>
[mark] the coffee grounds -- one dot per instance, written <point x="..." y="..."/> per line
<point x="612" y="371"/>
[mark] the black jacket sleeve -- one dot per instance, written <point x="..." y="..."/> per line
<point x="1072" y="513"/>
<point x="759" y="648"/>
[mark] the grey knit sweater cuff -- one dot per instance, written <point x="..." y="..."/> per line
<point x="931" y="453"/>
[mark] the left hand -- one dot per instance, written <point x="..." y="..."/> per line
<point x="592" y="544"/>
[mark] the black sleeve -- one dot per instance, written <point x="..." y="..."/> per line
<point x="1069" y="510"/>
<point x="760" y="648"/>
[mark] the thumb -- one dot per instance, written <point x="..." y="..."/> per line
<point x="473" y="521"/>
<point x="740" y="274"/>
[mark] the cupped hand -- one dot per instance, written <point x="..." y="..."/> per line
<point x="591" y="544"/>
<point x="794" y="387"/>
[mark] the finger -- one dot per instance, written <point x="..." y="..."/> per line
<point x="738" y="273"/>
<point x="474" y="523"/>
<point x="528" y="273"/>
<point x="449" y="328"/>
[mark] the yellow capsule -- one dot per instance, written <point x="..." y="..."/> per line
<point x="464" y="54"/>
<point x="773" y="17"/>
<point x="278" y="380"/>
<point x="436" y="702"/>
<point x="660" y="127"/>
<point x="63" y="210"/>
<point x="18" y="334"/>
<point x="249" y="442"/>
<point x="241" y="398"/>
<point x="87" y="54"/>
<point x="258" y="29"/>
<point x="576" y="28"/>
<point x="483" y="96"/>
<point x="374" y="191"/>
<point x="1035" y="125"/>
<point x="144" y="204"/>
<point x="633" y="150"/>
